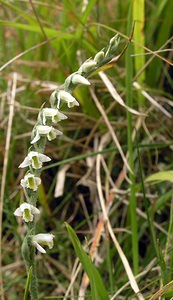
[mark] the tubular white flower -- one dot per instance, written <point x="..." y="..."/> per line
<point x="26" y="211"/>
<point x="34" y="159"/>
<point x="68" y="98"/>
<point x="49" y="131"/>
<point x="79" y="79"/>
<point x="54" y="114"/>
<point x="30" y="181"/>
<point x="43" y="239"/>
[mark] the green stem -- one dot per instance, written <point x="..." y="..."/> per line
<point x="133" y="217"/>
<point x="33" y="283"/>
<point x="28" y="252"/>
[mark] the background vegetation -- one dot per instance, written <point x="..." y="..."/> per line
<point x="41" y="43"/>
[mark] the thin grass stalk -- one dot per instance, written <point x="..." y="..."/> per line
<point x="129" y="98"/>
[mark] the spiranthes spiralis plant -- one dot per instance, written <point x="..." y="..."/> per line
<point x="43" y="130"/>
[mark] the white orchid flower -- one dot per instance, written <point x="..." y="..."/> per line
<point x="68" y="98"/>
<point x="30" y="181"/>
<point x="49" y="131"/>
<point x="34" y="159"/>
<point x="43" y="239"/>
<point x="54" y="114"/>
<point x="26" y="211"/>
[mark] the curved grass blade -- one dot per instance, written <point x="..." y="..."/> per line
<point x="98" y="291"/>
<point x="161" y="176"/>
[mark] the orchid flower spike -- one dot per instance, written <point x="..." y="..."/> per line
<point x="26" y="211"/>
<point x="53" y="114"/>
<point x="49" y="131"/>
<point x="34" y="159"/>
<point x="30" y="181"/>
<point x="44" y="239"/>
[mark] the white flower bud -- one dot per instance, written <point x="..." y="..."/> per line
<point x="99" y="57"/>
<point x="49" y="131"/>
<point x="88" y="66"/>
<point x="26" y="211"/>
<point x="79" y="79"/>
<point x="45" y="239"/>
<point x="114" y="40"/>
<point x="34" y="159"/>
<point x="30" y="181"/>
<point x="113" y="43"/>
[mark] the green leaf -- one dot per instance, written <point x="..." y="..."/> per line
<point x="35" y="28"/>
<point x="98" y="291"/>
<point x="27" y="284"/>
<point x="161" y="176"/>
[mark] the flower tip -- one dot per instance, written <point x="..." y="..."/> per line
<point x="25" y="163"/>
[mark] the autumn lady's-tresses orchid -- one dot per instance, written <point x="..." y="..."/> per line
<point x="44" y="130"/>
<point x="34" y="159"/>
<point x="26" y="211"/>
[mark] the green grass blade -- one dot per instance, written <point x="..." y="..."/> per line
<point x="138" y="17"/>
<point x="150" y="220"/>
<point x="35" y="28"/>
<point x="161" y="176"/>
<point x="98" y="290"/>
<point x="139" y="58"/>
<point x="129" y="98"/>
<point x="160" y="37"/>
<point x="26" y="293"/>
<point x="155" y="16"/>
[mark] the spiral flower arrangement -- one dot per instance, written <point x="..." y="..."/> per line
<point x="43" y="130"/>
